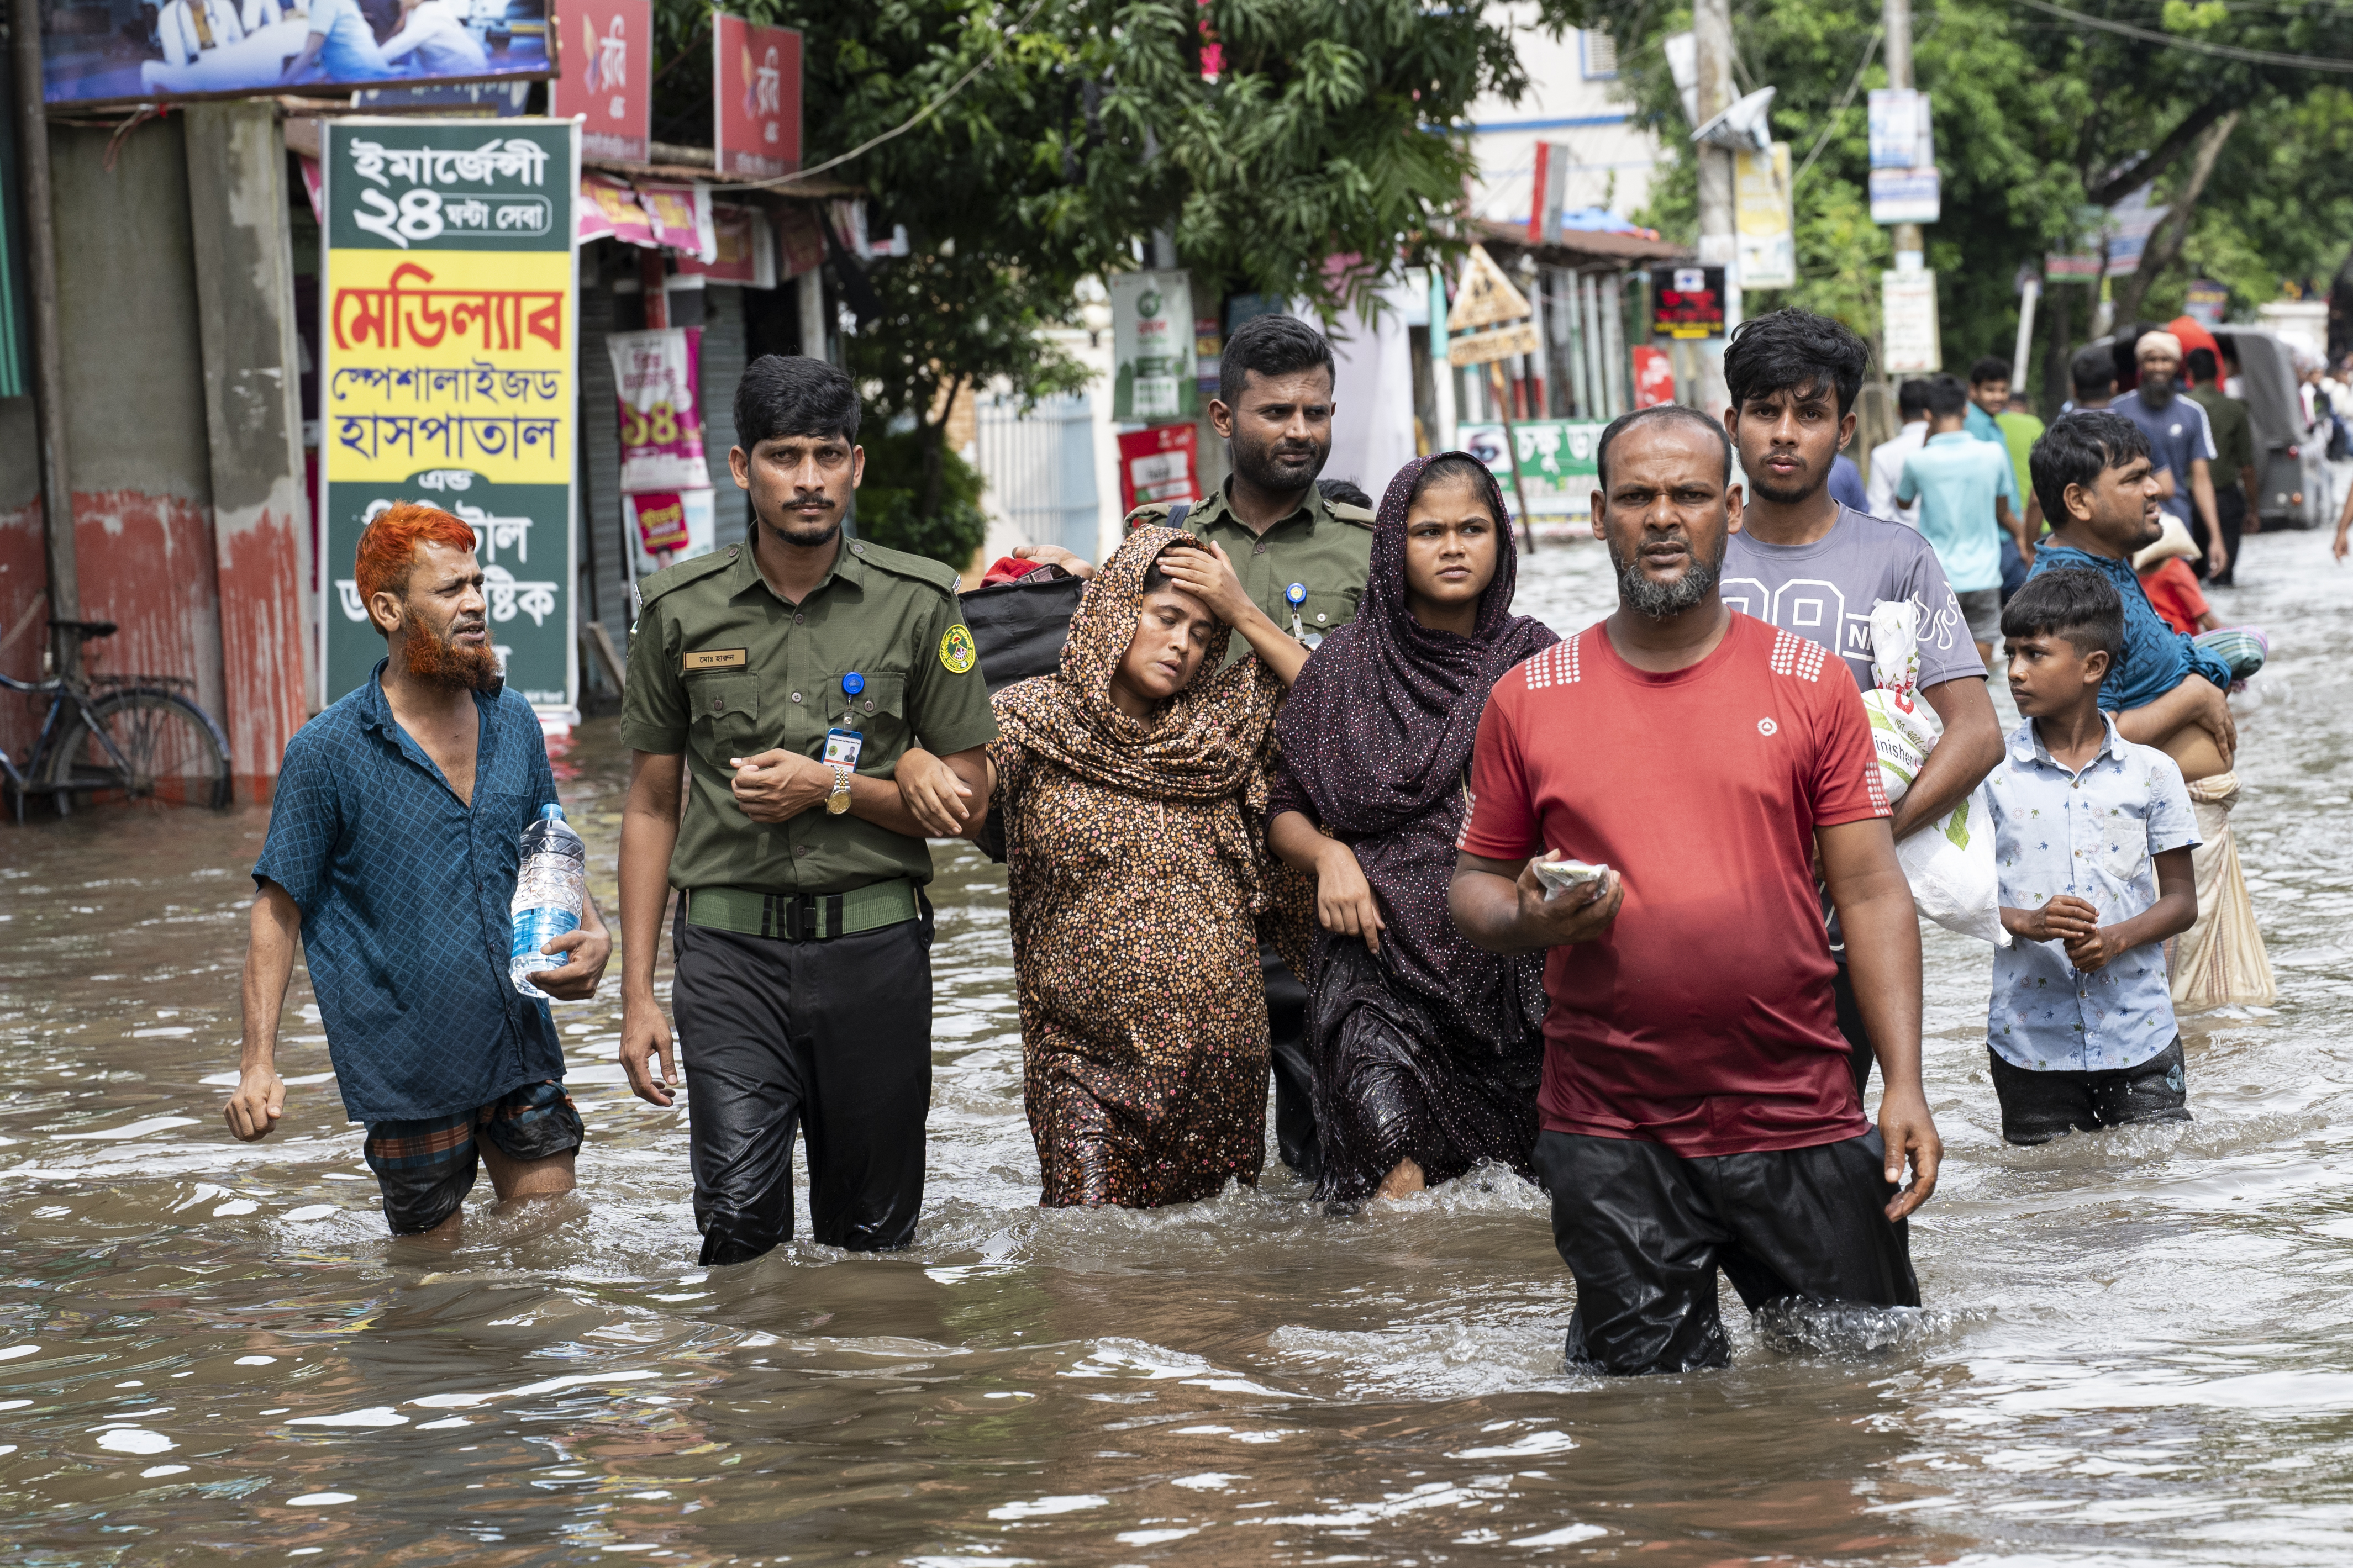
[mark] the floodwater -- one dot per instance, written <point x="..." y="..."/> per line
<point x="2135" y="1351"/>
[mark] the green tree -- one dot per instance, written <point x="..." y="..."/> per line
<point x="1090" y="127"/>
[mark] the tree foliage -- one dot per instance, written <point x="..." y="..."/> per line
<point x="2039" y="119"/>
<point x="1093" y="128"/>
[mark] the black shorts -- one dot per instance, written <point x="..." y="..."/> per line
<point x="1644" y="1231"/>
<point x="2038" y="1106"/>
<point x="426" y="1166"/>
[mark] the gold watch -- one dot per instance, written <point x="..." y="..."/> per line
<point x="838" y="801"/>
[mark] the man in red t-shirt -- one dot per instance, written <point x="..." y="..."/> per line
<point x="1698" y="1110"/>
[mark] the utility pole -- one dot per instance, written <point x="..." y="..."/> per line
<point x="1896" y="15"/>
<point x="1718" y="241"/>
<point x="48" y="366"/>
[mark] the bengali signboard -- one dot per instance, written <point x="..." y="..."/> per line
<point x="607" y="78"/>
<point x="447" y="328"/>
<point x="200" y="48"/>
<point x="1152" y="340"/>
<point x="1554" y="456"/>
<point x="755" y="111"/>
<point x="1910" y="344"/>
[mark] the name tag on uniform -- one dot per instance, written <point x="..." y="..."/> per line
<point x="716" y="658"/>
<point x="842" y="746"/>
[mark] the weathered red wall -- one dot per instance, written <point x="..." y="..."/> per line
<point x="146" y="563"/>
<point x="261" y="649"/>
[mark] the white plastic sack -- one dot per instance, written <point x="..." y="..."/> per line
<point x="1950" y="864"/>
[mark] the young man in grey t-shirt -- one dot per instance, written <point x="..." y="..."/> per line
<point x="1813" y="567"/>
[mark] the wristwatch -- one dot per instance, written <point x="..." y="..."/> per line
<point x="838" y="801"/>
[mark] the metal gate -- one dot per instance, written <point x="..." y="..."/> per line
<point x="1041" y="467"/>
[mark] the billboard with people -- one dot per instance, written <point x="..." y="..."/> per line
<point x="116" y="50"/>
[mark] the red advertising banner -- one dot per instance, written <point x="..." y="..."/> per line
<point x="608" y="79"/>
<point x="756" y="112"/>
<point x="1157" y="464"/>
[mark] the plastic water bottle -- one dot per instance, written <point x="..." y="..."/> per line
<point x="551" y="886"/>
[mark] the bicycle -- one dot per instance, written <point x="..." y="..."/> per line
<point x="108" y="738"/>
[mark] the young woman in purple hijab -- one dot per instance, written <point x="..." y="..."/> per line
<point x="1427" y="1049"/>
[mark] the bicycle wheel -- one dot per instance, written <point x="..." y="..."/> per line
<point x="171" y="750"/>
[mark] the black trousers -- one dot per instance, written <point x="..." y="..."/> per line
<point x="2037" y="1107"/>
<point x="2231" y="513"/>
<point x="1295" y="1074"/>
<point x="830" y="1038"/>
<point x="1644" y="1231"/>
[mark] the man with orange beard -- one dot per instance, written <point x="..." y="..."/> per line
<point x="393" y="845"/>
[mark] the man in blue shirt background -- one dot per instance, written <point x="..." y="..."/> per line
<point x="394" y="841"/>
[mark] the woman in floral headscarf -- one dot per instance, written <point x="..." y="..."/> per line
<point x="1427" y="1049"/>
<point x="1132" y="789"/>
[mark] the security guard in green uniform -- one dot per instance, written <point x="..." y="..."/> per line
<point x="1302" y="558"/>
<point x="774" y="685"/>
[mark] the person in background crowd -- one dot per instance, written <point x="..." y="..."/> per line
<point x="776" y="692"/>
<point x="1845" y="484"/>
<point x="1427" y="1050"/>
<point x="2094" y="836"/>
<point x="2098" y="483"/>
<point x="2019" y="430"/>
<point x="2235" y="483"/>
<point x="1816" y="570"/>
<point x="2172" y="586"/>
<point x="1132" y="799"/>
<point x="1698" y="1110"/>
<point x="395" y="835"/>
<point x="1969" y="500"/>
<point x="2344" y="539"/>
<point x="2092" y="373"/>
<point x="1887" y="459"/>
<point x="1347" y="492"/>
<point x="1988" y="395"/>
<point x="1302" y="558"/>
<point x="2180" y="441"/>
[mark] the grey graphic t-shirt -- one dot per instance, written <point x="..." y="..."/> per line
<point x="1826" y="591"/>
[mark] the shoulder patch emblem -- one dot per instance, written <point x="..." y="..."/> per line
<point x="956" y="653"/>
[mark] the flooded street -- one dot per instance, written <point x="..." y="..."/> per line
<point x="2136" y="1347"/>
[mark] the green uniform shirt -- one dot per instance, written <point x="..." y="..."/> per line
<point x="721" y="667"/>
<point x="2234" y="436"/>
<point x="1326" y="547"/>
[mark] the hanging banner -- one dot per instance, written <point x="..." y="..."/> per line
<point x="1909" y="341"/>
<point x="755" y="112"/>
<point x="1152" y="347"/>
<point x="1556" y="460"/>
<point x="655" y="376"/>
<point x="1761" y="215"/>
<point x="681" y="218"/>
<point x="609" y="209"/>
<point x="1686" y="301"/>
<point x="607" y="77"/>
<point x="1157" y="464"/>
<point x="212" y="49"/>
<point x="447" y="336"/>
<point x="1905" y="187"/>
<point x="665" y="527"/>
<point x="746" y="251"/>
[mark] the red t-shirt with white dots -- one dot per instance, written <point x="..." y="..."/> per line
<point x="1703" y="1019"/>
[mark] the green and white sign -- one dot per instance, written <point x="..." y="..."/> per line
<point x="1152" y="348"/>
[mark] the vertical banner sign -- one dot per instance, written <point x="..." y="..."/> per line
<point x="1152" y="347"/>
<point x="1157" y="464"/>
<point x="447" y="325"/>
<point x="1905" y="187"/>
<point x="1761" y="215"/>
<point x="755" y="112"/>
<point x="1910" y="344"/>
<point x="608" y="79"/>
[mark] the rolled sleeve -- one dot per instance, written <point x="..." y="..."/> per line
<point x="305" y="821"/>
<point x="653" y="699"/>
<point x="949" y="710"/>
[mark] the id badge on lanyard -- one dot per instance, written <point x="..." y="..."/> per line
<point x="842" y="745"/>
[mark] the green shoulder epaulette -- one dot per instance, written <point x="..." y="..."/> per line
<point x="659" y="583"/>
<point x="900" y="563"/>
<point x="1347" y="512"/>
<point x="1151" y="514"/>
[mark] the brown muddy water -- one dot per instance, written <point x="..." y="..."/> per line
<point x="2134" y="1348"/>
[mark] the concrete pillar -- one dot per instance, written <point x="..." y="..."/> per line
<point x="253" y="426"/>
<point x="126" y="312"/>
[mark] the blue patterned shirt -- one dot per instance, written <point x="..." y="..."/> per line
<point x="405" y="892"/>
<point x="2095" y="835"/>
<point x="2157" y="657"/>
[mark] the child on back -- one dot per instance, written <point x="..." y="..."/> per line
<point x="2093" y="835"/>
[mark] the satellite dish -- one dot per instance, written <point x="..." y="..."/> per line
<point x="1744" y="126"/>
